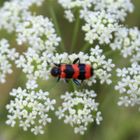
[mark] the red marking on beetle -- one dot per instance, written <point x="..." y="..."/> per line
<point x="76" y="71"/>
<point x="87" y="71"/>
<point x="62" y="69"/>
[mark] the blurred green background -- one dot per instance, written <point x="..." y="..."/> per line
<point x="118" y="123"/>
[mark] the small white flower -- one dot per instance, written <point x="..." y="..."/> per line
<point x="80" y="130"/>
<point x="11" y="121"/>
<point x="122" y="72"/>
<point x="45" y="120"/>
<point x="99" y="118"/>
<point x="69" y="15"/>
<point x="31" y="84"/>
<point x="50" y="104"/>
<point x="37" y="130"/>
<point x="121" y="87"/>
<point x="124" y="101"/>
<point x="24" y="124"/>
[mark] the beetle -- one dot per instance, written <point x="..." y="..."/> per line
<point x="76" y="71"/>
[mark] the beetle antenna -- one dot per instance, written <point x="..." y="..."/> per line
<point x="58" y="65"/>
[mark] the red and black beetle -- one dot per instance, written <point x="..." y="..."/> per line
<point x="74" y="71"/>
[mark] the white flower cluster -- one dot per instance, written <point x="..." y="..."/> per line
<point x="128" y="42"/>
<point x="101" y="17"/>
<point x="79" y="109"/>
<point x="129" y="85"/>
<point x="119" y="8"/>
<point x="101" y="67"/>
<point x="6" y="56"/>
<point x="30" y="110"/>
<point x="14" y="12"/>
<point x="34" y="66"/>
<point x="99" y="26"/>
<point x="38" y="32"/>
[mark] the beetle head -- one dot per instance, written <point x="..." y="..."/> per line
<point x="55" y="71"/>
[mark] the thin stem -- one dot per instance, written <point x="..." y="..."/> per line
<point x="75" y="33"/>
<point x="54" y="18"/>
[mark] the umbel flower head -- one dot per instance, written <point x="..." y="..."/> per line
<point x="119" y="8"/>
<point x="38" y="32"/>
<point x="79" y="109"/>
<point x="30" y="109"/>
<point x="99" y="26"/>
<point x="15" y="12"/>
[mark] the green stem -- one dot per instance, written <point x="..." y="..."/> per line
<point x="75" y="33"/>
<point x="53" y="15"/>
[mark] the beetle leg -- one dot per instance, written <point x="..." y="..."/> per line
<point x="76" y="82"/>
<point x="76" y="60"/>
<point x="58" y="79"/>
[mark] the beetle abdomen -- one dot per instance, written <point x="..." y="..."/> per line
<point x="76" y="71"/>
